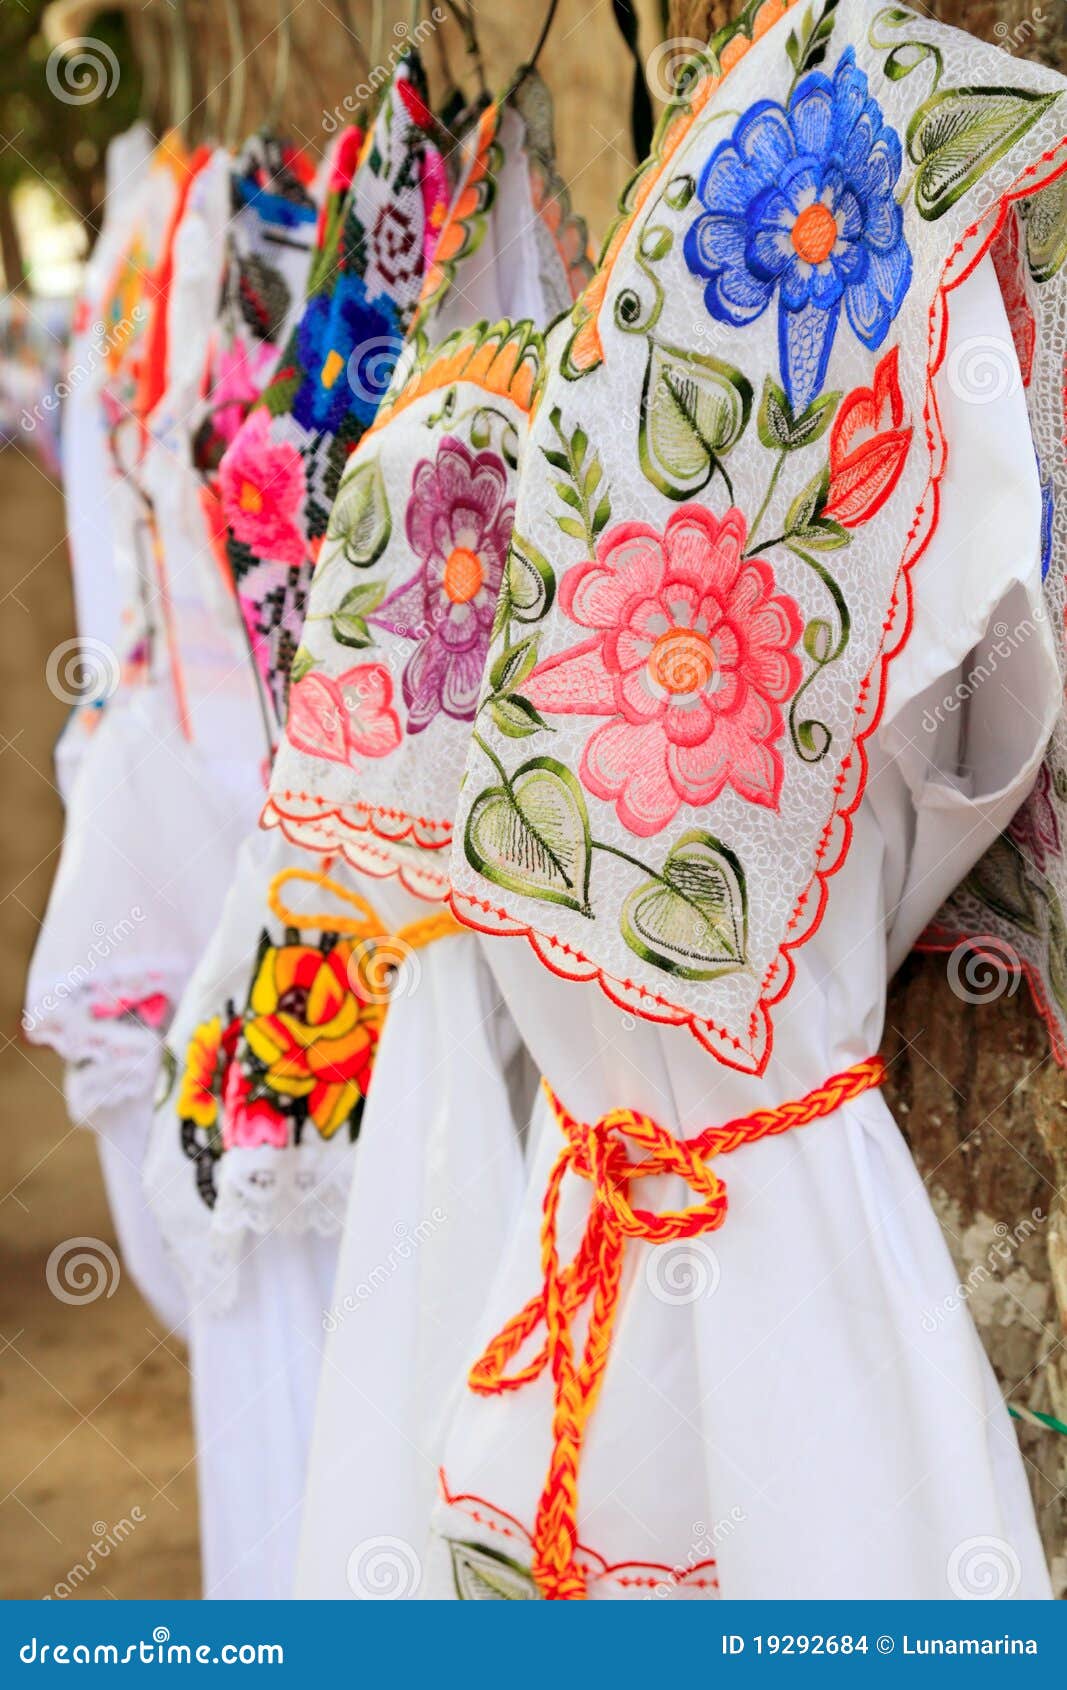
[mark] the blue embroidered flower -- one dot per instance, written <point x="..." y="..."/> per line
<point x="348" y="345"/>
<point x="800" y="202"/>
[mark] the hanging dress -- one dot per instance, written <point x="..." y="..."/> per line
<point x="175" y="769"/>
<point x="792" y="675"/>
<point x="400" y="613"/>
<point x="87" y="482"/>
<point x="274" y="1040"/>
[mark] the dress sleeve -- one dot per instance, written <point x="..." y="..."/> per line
<point x="973" y="696"/>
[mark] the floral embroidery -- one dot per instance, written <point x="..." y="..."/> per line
<point x="362" y="293"/>
<point x="208" y="1058"/>
<point x="692" y="659"/>
<point x="313" y="1030"/>
<point x="800" y="203"/>
<point x="458" y="524"/>
<point x="261" y="483"/>
<point x="333" y="327"/>
<point x="868" y="447"/>
<point x="302" y="1048"/>
<point x="345" y="717"/>
<point x="249" y="1121"/>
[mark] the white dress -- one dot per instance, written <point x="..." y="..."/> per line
<point x="788" y="1409"/>
<point x="172" y="777"/>
<point x="252" y="1223"/>
<point x="409" y="1279"/>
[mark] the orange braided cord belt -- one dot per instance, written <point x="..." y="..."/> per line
<point x="599" y="1154"/>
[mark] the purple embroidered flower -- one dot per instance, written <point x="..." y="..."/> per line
<point x="800" y="202"/>
<point x="459" y="522"/>
<point x="1035" y="828"/>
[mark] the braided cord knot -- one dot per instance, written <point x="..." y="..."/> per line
<point x="599" y="1153"/>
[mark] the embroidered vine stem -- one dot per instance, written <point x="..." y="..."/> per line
<point x="755" y="544"/>
<point x="803" y="733"/>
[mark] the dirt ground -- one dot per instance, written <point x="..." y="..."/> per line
<point x="97" y="1479"/>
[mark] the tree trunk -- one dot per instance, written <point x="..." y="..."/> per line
<point x="11" y="259"/>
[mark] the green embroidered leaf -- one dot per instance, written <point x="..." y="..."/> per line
<point x="1045" y="216"/>
<point x="532" y="836"/>
<point x="513" y="665"/>
<point x="529" y="584"/>
<point x="516" y="716"/>
<point x="168" y="1073"/>
<point x="805" y="509"/>
<point x="956" y="135"/>
<point x="484" y="1574"/>
<point x="691" y="921"/>
<point x="571" y="527"/>
<point x="347" y="621"/>
<point x="694" y="408"/>
<point x="360" y="517"/>
<point x="780" y="430"/>
<point x="999" y="880"/>
<point x="302" y="665"/>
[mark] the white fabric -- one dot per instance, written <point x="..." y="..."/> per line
<point x="437" y="1183"/>
<point x="254" y="1370"/>
<point x="774" y="1401"/>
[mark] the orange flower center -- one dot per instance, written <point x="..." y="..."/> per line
<point x="814" y="233"/>
<point x="681" y="661"/>
<point x="463" y="574"/>
<point x="251" y="499"/>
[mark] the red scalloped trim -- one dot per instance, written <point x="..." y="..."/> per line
<point x="836" y="837"/>
<point x="647" y="1575"/>
<point x="363" y="849"/>
<point x="393" y="826"/>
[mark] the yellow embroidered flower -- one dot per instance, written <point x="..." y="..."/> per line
<point x="197" y="1096"/>
<point x="312" y="1029"/>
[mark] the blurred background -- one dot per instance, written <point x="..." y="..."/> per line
<point x="97" y="1489"/>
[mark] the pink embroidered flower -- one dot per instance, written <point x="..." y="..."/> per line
<point x="248" y="1122"/>
<point x="261" y="485"/>
<point x="691" y="659"/>
<point x="459" y="523"/>
<point x="238" y="374"/>
<point x="345" y="718"/>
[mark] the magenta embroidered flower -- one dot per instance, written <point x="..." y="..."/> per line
<point x="344" y="718"/>
<point x="691" y="658"/>
<point x="459" y="522"/>
<point x="261" y="485"/>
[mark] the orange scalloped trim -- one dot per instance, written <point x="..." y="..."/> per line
<point x="836" y="836"/>
<point x="501" y="358"/>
